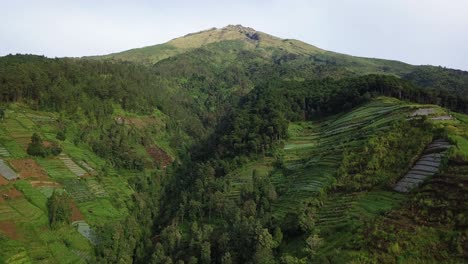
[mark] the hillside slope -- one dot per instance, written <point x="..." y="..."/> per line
<point x="296" y="59"/>
<point x="322" y="186"/>
<point x="100" y="193"/>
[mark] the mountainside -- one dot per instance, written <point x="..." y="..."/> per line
<point x="252" y="38"/>
<point x="291" y="59"/>
<point x="232" y="146"/>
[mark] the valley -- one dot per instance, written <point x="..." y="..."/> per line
<point x="231" y="145"/>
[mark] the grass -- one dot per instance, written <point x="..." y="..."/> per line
<point x="33" y="195"/>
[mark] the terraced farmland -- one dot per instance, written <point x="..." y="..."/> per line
<point x="4" y="152"/>
<point x="427" y="166"/>
<point x="72" y="166"/>
<point x="314" y="151"/>
<point x="7" y="172"/>
<point x="25" y="236"/>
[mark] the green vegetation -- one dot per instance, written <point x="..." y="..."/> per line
<point x="37" y="148"/>
<point x="59" y="209"/>
<point x="229" y="146"/>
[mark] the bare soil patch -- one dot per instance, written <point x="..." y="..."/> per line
<point x="28" y="168"/>
<point x="10" y="194"/>
<point x="3" y="181"/>
<point x="138" y="122"/>
<point x="76" y="213"/>
<point x="159" y="156"/>
<point x="8" y="227"/>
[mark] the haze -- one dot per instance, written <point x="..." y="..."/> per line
<point x="417" y="32"/>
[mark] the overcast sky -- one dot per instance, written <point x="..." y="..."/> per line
<point x="414" y="31"/>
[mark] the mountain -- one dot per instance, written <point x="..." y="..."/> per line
<point x="304" y="60"/>
<point x="252" y="38"/>
<point x="232" y="146"/>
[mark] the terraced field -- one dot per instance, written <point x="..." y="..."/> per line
<point x="25" y="236"/>
<point x="314" y="151"/>
<point x="72" y="166"/>
<point x="6" y="171"/>
<point x="427" y="165"/>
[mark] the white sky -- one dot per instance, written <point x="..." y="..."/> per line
<point x="414" y="31"/>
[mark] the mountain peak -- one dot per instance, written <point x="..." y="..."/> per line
<point x="251" y="38"/>
<point x="238" y="27"/>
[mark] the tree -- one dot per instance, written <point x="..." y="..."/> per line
<point x="59" y="209"/>
<point x="313" y="242"/>
<point x="205" y="252"/>
<point x="36" y="147"/>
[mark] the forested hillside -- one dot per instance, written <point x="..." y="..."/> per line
<point x="231" y="146"/>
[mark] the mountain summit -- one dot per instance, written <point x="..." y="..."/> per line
<point x="249" y="36"/>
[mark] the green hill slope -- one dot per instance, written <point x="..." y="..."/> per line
<point x="322" y="189"/>
<point x="101" y="194"/>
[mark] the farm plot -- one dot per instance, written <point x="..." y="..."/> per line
<point x="427" y="165"/>
<point x="85" y="230"/>
<point x="314" y="152"/>
<point x="72" y="166"/>
<point x="78" y="190"/>
<point x="7" y="172"/>
<point x="87" y="167"/>
<point x="343" y="213"/>
<point x="244" y="175"/>
<point x="41" y="119"/>
<point x="96" y="188"/>
<point x="334" y="212"/>
<point x="18" y="132"/>
<point x="28" y="168"/>
<point x="56" y="169"/>
<point x="4" y="152"/>
<point x="11" y="149"/>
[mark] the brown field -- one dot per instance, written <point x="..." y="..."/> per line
<point x="28" y="168"/>
<point x="139" y="122"/>
<point x="3" y="181"/>
<point x="9" y="229"/>
<point x="159" y="156"/>
<point x="11" y="193"/>
<point x="76" y="214"/>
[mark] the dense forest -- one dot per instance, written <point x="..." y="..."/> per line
<point x="225" y="107"/>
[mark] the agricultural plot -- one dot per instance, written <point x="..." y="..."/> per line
<point x="344" y="213"/>
<point x="7" y="172"/>
<point x="72" y="166"/>
<point x="244" y="175"/>
<point x="87" y="167"/>
<point x="314" y="151"/>
<point x="83" y="156"/>
<point x="96" y="188"/>
<point x="4" y="152"/>
<point x="56" y="169"/>
<point x="20" y="133"/>
<point x="427" y="165"/>
<point x="41" y="119"/>
<point x="85" y="230"/>
<point x="78" y="190"/>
